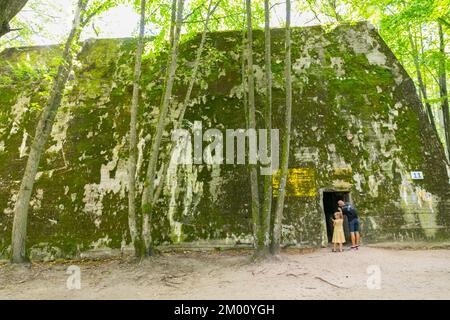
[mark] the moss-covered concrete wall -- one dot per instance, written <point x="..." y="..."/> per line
<point x="358" y="126"/>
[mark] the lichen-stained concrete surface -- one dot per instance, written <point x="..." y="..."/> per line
<point x="357" y="126"/>
<point x="404" y="274"/>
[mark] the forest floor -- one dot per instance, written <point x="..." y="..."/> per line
<point x="319" y="274"/>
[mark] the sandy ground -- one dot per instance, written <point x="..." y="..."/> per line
<point x="405" y="274"/>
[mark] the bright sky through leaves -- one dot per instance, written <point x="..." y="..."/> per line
<point x="55" y="17"/>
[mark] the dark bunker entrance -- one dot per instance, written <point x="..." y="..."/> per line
<point x="330" y="206"/>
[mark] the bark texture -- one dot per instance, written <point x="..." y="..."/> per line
<point x="149" y="186"/>
<point x="8" y="10"/>
<point x="286" y="138"/>
<point x="132" y="220"/>
<point x="41" y="135"/>
<point x="252" y="123"/>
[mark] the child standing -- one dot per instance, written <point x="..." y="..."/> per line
<point x="338" y="230"/>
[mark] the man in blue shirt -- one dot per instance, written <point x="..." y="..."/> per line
<point x="353" y="222"/>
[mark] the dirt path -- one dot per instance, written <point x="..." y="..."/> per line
<point x="405" y="274"/>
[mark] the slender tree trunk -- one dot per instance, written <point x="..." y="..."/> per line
<point x="198" y="56"/>
<point x="173" y="21"/>
<point x="443" y="89"/>
<point x="244" y="66"/>
<point x="149" y="186"/>
<point x="422" y="87"/>
<point x="135" y="232"/>
<point x="252" y="123"/>
<point x="264" y="232"/>
<point x="286" y="139"/>
<point x="42" y="133"/>
<point x="187" y="97"/>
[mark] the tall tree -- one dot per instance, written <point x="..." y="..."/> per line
<point x="255" y="205"/>
<point x="443" y="88"/>
<point x="244" y="66"/>
<point x="149" y="184"/>
<point x="173" y="21"/>
<point x="193" y="79"/>
<point x="276" y="241"/>
<point x="133" y="223"/>
<point x="8" y="10"/>
<point x="422" y="87"/>
<point x="266" y="208"/>
<point x="41" y="135"/>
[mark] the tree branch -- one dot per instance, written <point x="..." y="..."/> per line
<point x="444" y="22"/>
<point x="8" y="10"/>
<point x="96" y="11"/>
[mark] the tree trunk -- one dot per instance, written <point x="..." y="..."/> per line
<point x="422" y="87"/>
<point x="173" y="21"/>
<point x="135" y="232"/>
<point x="443" y="89"/>
<point x="264" y="232"/>
<point x="252" y="123"/>
<point x="286" y="139"/>
<point x="198" y="56"/>
<point x="149" y="186"/>
<point x="8" y="10"/>
<point x="187" y="97"/>
<point x="42" y="133"/>
<point x="244" y="67"/>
